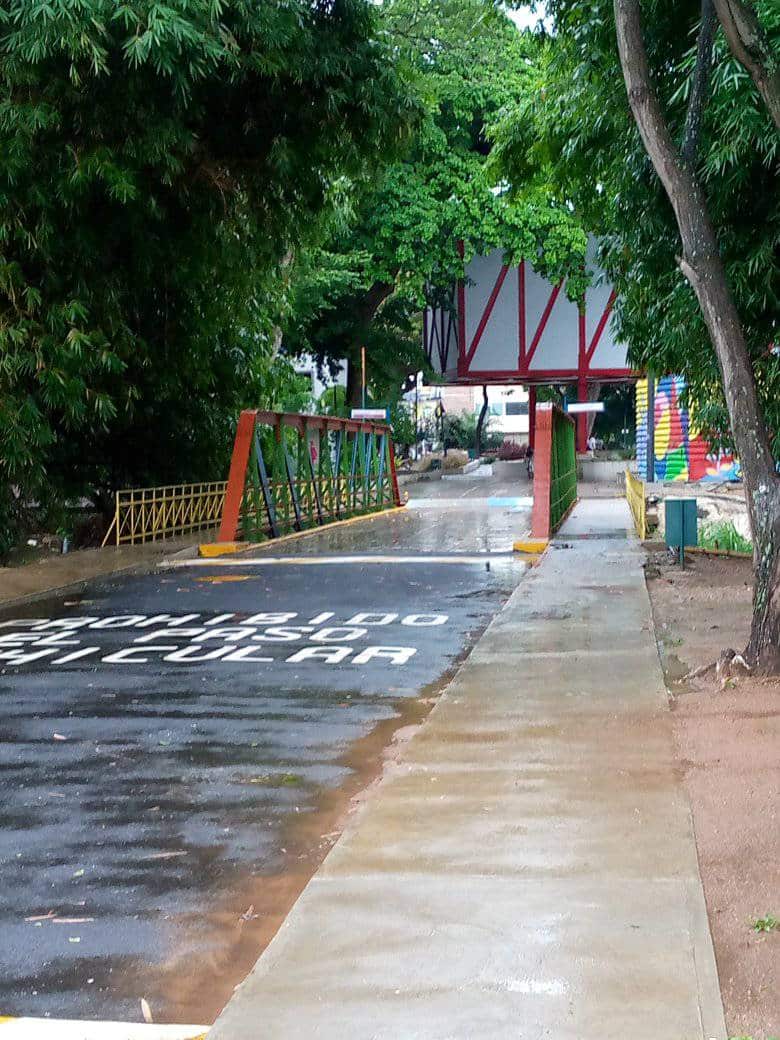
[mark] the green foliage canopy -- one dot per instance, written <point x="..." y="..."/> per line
<point x="158" y="163"/>
<point x="396" y="246"/>
<point x="574" y="131"/>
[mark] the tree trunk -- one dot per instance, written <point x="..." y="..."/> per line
<point x="370" y="304"/>
<point x="481" y="421"/>
<point x="750" y="46"/>
<point x="354" y="385"/>
<point x="702" y="265"/>
<point x="764" y="646"/>
<point x="593" y="393"/>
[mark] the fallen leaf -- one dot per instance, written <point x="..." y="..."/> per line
<point x="79" y="873"/>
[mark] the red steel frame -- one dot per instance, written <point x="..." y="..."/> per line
<point x="247" y="423"/>
<point x="582" y="374"/>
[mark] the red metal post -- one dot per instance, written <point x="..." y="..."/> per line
<point x="532" y="417"/>
<point x="234" y="495"/>
<point x="540" y="514"/>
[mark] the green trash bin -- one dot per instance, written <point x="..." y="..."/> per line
<point x="681" y="524"/>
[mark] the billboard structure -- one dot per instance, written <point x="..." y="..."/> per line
<point x="507" y="324"/>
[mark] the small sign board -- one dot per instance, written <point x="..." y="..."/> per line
<point x="585" y="406"/>
<point x="377" y="414"/>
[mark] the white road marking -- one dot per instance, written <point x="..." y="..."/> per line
<point x="72" y="1029"/>
<point x="267" y="561"/>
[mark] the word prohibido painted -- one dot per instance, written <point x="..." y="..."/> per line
<point x="267" y="637"/>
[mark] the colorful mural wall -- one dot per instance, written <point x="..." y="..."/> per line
<point x="680" y="452"/>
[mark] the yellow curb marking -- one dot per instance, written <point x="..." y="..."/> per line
<point x="533" y="546"/>
<point x="220" y="579"/>
<point x="221" y="548"/>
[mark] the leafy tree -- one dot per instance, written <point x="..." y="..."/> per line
<point x="460" y="431"/>
<point x="397" y="243"/>
<point x="680" y="180"/>
<point x="158" y="164"/>
<point x="402" y="422"/>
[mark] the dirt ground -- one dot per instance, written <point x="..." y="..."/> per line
<point x="728" y="742"/>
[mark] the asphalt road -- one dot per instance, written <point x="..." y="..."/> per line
<point x="162" y="737"/>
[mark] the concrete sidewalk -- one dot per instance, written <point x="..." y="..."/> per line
<point x="56" y="573"/>
<point x="528" y="869"/>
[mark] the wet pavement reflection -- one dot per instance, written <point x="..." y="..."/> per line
<point x="143" y="801"/>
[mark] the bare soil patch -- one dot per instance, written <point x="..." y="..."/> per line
<point x="728" y="744"/>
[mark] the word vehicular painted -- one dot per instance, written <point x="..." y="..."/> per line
<point x="267" y="637"/>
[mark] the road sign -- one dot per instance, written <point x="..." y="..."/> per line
<point x="378" y="414"/>
<point x="585" y="406"/>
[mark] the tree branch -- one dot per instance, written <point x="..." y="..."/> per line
<point x="750" y="46"/>
<point x="646" y="109"/>
<point x="700" y="86"/>
<point x="700" y="262"/>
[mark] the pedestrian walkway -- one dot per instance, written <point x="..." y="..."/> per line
<point x="528" y="869"/>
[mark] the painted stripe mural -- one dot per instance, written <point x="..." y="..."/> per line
<point x="680" y="452"/>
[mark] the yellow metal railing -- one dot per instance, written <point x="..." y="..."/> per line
<point x="154" y="513"/>
<point x="635" y="493"/>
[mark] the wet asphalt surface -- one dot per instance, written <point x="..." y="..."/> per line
<point x="149" y="764"/>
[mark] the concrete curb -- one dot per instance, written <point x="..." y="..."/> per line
<point x="76" y="586"/>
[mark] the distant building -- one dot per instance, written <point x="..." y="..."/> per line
<point x="507" y="406"/>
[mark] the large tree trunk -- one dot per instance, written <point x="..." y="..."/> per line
<point x="750" y="46"/>
<point x="370" y="304"/>
<point x="353" y="384"/>
<point x="702" y="265"/>
<point x="481" y="421"/>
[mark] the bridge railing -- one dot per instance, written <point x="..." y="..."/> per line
<point x="152" y="514"/>
<point x="291" y="472"/>
<point x="637" y="502"/>
<point x="555" y="471"/>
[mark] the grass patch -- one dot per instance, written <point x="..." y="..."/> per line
<point x="723" y="535"/>
<point x="765" y="924"/>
